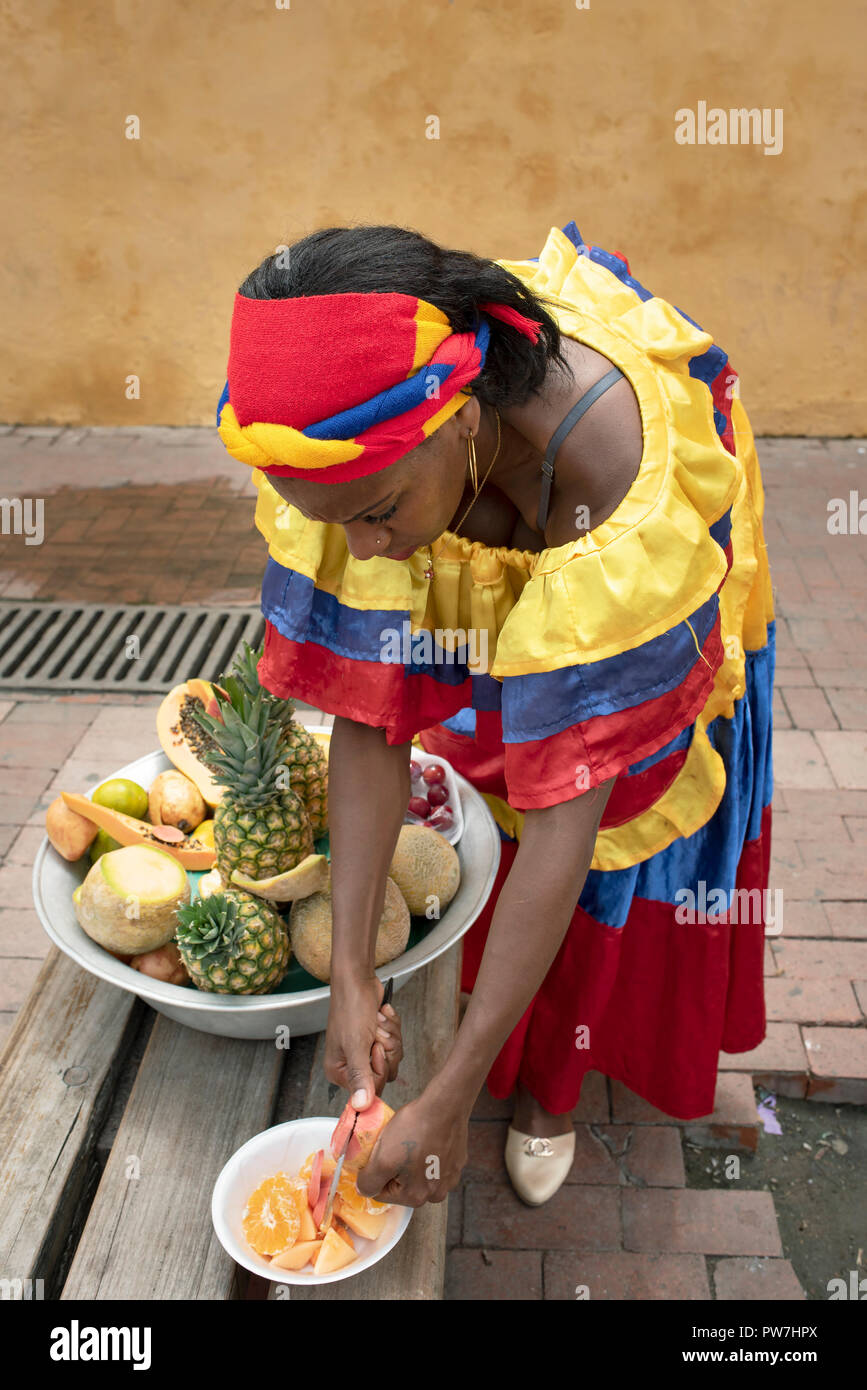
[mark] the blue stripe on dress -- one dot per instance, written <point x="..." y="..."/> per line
<point x="712" y="854"/>
<point x="707" y="365"/>
<point x="547" y="702"/>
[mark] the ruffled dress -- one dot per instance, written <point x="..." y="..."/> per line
<point x="643" y="650"/>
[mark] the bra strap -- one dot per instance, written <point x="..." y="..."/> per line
<point x="560" y="434"/>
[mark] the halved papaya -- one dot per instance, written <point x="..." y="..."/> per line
<point x="193" y="854"/>
<point x="182" y="737"/>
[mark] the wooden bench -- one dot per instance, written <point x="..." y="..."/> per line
<point x="115" y="1122"/>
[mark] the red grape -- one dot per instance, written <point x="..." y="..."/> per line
<point x="414" y="769"/>
<point x="437" y="794"/>
<point x="434" y="772"/>
<point x="419" y="806"/>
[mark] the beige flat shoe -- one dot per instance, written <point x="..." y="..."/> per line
<point x="538" y="1167"/>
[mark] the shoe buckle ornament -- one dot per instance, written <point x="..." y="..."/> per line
<point x="539" y="1148"/>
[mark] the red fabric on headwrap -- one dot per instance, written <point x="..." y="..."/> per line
<point x="355" y="344"/>
<point x="531" y="328"/>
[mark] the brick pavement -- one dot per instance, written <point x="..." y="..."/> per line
<point x="624" y="1225"/>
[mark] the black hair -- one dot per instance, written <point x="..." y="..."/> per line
<point x="382" y="259"/>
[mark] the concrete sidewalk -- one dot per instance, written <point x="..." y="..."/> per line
<point x="166" y="516"/>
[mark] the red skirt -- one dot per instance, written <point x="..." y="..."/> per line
<point x="660" y="999"/>
<point x="654" y="997"/>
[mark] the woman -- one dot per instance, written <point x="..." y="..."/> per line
<point x="403" y="406"/>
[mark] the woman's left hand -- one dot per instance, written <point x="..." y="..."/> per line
<point x="419" y="1155"/>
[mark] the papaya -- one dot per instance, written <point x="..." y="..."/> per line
<point x="183" y="739"/>
<point x="129" y="831"/>
<point x="369" y="1124"/>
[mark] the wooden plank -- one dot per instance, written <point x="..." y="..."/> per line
<point x="57" y="1075"/>
<point x="415" y="1268"/>
<point x="196" y="1099"/>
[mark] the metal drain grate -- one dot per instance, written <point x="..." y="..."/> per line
<point x="126" y="647"/>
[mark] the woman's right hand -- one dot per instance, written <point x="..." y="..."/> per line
<point x="363" y="1046"/>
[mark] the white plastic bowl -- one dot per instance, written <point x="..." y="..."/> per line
<point x="425" y="760"/>
<point x="283" y="1149"/>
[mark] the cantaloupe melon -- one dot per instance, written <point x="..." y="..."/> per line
<point x="361" y="1222"/>
<point x="312" y="875"/>
<point x="425" y="865"/>
<point x="310" y="930"/>
<point x="334" y="1254"/>
<point x="298" y="1255"/>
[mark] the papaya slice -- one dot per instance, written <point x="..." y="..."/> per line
<point x="312" y="875"/>
<point x="182" y="738"/>
<point x="315" y="1179"/>
<point x="191" y="853"/>
<point x="368" y="1126"/>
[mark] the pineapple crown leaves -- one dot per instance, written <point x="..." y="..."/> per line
<point x="209" y="930"/>
<point x="249" y="748"/>
<point x="244" y="678"/>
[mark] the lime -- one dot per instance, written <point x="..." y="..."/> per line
<point x="102" y="844"/>
<point x="120" y="794"/>
<point x="205" y="833"/>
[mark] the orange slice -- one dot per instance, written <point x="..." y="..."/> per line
<point x="271" y="1221"/>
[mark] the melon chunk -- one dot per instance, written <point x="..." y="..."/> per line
<point x="312" y="875"/>
<point x="297" y="1255"/>
<point x="333" y="1255"/>
<point x="361" y="1222"/>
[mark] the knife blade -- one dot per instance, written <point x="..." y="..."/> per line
<point x="335" y="1181"/>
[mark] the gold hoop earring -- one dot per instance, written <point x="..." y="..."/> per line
<point x="474" y="470"/>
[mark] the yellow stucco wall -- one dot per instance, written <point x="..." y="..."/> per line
<point x="259" y="124"/>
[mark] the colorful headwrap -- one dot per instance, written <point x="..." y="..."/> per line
<point x="337" y="386"/>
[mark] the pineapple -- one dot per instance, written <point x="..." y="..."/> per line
<point x="233" y="943"/>
<point x="260" y="826"/>
<point x="306" y="759"/>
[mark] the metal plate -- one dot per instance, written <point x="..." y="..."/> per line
<point x="259" y="1016"/>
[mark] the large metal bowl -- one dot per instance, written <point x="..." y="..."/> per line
<point x="258" y="1016"/>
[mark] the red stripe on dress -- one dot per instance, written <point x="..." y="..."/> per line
<point x="376" y="693"/>
<point x="599" y="748"/>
